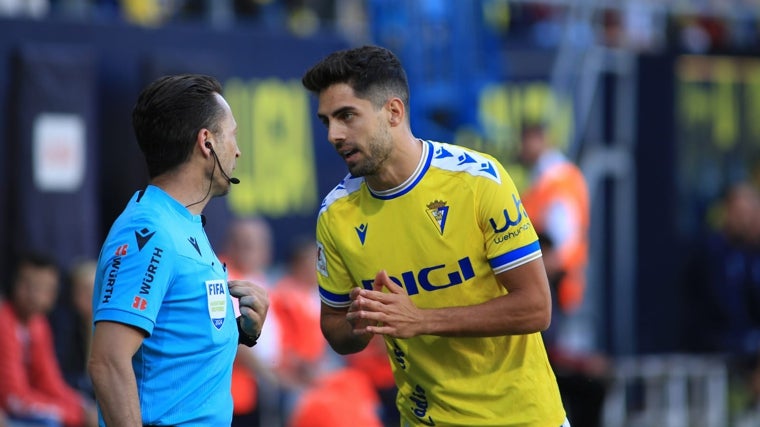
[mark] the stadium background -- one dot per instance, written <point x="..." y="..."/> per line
<point x="656" y="100"/>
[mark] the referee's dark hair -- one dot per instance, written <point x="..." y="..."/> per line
<point x="169" y="114"/>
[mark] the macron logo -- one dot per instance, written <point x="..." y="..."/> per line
<point x="361" y="231"/>
<point x="142" y="237"/>
<point x="194" y="242"/>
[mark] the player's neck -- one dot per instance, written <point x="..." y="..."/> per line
<point x="400" y="165"/>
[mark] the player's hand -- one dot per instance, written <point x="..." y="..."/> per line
<point x="388" y="313"/>
<point x="254" y="304"/>
<point x="358" y="324"/>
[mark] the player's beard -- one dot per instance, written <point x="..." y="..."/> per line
<point x="378" y="151"/>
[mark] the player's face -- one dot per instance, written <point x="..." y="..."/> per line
<point x="356" y="129"/>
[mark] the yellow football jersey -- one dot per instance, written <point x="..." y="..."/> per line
<point x="442" y="235"/>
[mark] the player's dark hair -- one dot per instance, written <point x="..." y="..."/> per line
<point x="168" y="116"/>
<point x="374" y="73"/>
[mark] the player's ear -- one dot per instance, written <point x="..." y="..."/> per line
<point x="396" y="111"/>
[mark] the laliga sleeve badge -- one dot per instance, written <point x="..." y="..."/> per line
<point x="321" y="259"/>
<point x="216" y="297"/>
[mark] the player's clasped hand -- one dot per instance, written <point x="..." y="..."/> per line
<point x="254" y="304"/>
<point x="393" y="314"/>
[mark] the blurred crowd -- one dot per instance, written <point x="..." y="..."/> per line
<point x="722" y="286"/>
<point x="300" y="17"/>
<point x="698" y="26"/>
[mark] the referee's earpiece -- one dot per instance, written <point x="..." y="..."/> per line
<point x="227" y="177"/>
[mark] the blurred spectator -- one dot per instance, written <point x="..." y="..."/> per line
<point x="72" y="325"/>
<point x="295" y="303"/>
<point x="307" y="368"/>
<point x="344" y="398"/>
<point x="582" y="377"/>
<point x="248" y="249"/>
<point x="248" y="254"/>
<point x="722" y="281"/>
<point x="724" y="278"/>
<point x="557" y="202"/>
<point x="32" y="387"/>
<point x="373" y="362"/>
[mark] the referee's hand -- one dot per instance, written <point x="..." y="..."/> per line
<point x="254" y="304"/>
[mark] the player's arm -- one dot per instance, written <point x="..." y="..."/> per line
<point x="525" y="309"/>
<point x="335" y="286"/>
<point x="110" y="367"/>
<point x="340" y="331"/>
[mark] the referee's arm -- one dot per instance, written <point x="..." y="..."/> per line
<point x="110" y="368"/>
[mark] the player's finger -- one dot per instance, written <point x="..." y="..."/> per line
<point x="381" y="279"/>
<point x="355" y="293"/>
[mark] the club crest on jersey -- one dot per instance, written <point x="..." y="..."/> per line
<point x="438" y="211"/>
<point x="216" y="297"/>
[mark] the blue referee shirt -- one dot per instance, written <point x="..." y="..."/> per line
<point x="158" y="272"/>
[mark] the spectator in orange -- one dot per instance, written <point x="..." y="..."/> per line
<point x="296" y="304"/>
<point x="557" y="202"/>
<point x="343" y="398"/>
<point x="373" y="362"/>
<point x="303" y="355"/>
<point x="32" y="387"/>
